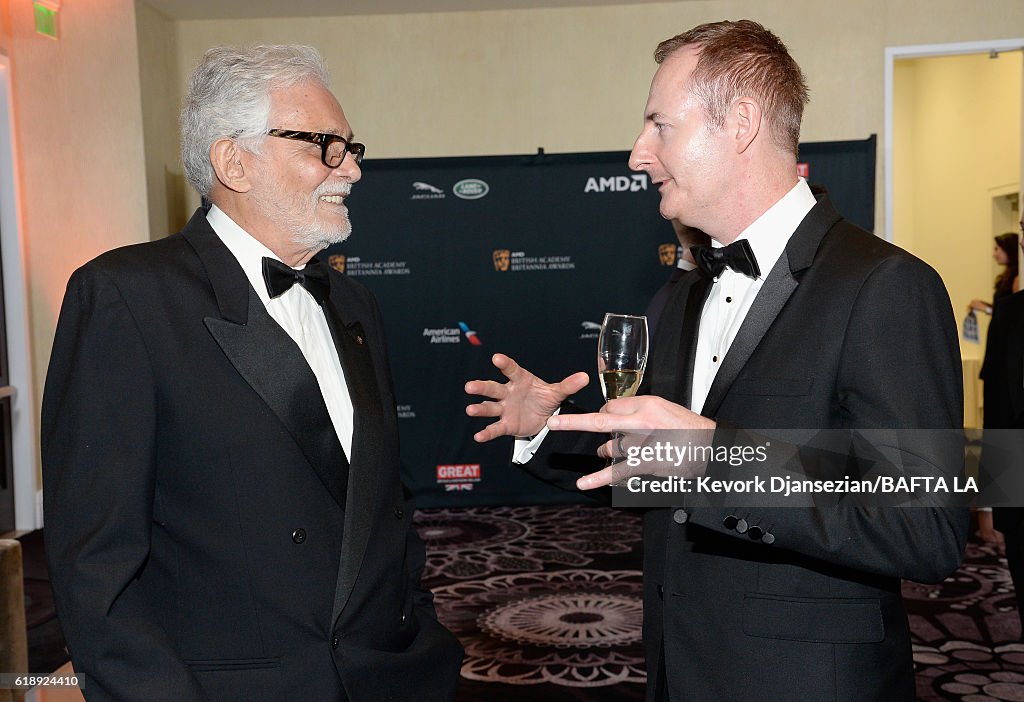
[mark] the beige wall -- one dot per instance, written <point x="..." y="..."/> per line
<point x="5" y="26"/>
<point x="956" y="147"/>
<point x="78" y="128"/>
<point x="159" y="81"/>
<point x="576" y="79"/>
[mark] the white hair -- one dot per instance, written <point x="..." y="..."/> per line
<point x="229" y="97"/>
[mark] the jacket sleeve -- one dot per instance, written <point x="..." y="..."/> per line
<point x="98" y="455"/>
<point x="899" y="378"/>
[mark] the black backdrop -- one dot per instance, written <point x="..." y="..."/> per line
<point x="523" y="255"/>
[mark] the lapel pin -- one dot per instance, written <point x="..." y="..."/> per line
<point x="359" y="339"/>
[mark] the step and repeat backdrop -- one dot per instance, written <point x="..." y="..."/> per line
<point x="522" y="255"/>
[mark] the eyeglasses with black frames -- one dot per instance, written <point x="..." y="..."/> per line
<point x="332" y="147"/>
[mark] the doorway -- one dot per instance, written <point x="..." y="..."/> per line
<point x="952" y="165"/>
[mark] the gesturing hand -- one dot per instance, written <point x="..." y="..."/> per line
<point x="523" y="404"/>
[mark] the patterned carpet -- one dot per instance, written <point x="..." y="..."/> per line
<point x="545" y="597"/>
<point x="547" y="602"/>
<point x="967" y="638"/>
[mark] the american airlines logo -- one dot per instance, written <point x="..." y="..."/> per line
<point x="617" y="184"/>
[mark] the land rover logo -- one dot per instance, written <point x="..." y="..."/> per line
<point x="471" y="189"/>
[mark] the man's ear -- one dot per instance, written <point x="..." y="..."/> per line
<point x="228" y="160"/>
<point x="746" y="113"/>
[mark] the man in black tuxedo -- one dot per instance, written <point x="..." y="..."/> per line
<point x="225" y="519"/>
<point x="687" y="237"/>
<point x="799" y="321"/>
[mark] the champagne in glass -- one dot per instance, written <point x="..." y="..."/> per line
<point x="621" y="354"/>
<point x="620" y="383"/>
<point x="621" y="358"/>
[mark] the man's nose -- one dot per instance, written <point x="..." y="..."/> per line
<point x="349" y="170"/>
<point x="640" y="156"/>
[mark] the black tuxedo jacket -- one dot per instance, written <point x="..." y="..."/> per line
<point x="657" y="304"/>
<point x="1003" y="369"/>
<point x="1003" y="373"/>
<point x="203" y="543"/>
<point x="782" y="603"/>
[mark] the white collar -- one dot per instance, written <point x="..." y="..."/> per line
<point x="769" y="233"/>
<point x="248" y="250"/>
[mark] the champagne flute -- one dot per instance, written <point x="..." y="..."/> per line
<point x="621" y="358"/>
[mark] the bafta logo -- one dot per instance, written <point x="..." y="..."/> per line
<point x="337" y="262"/>
<point x="667" y="253"/>
<point x="501" y="259"/>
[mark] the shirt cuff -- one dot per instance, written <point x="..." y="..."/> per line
<point x="525" y="447"/>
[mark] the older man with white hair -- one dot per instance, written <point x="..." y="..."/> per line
<point x="225" y="519"/>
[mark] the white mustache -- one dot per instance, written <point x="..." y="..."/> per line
<point x="332" y="189"/>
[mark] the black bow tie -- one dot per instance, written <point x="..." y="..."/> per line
<point x="280" y="278"/>
<point x="738" y="255"/>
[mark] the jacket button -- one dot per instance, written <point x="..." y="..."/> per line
<point x="403" y="617"/>
<point x="730" y="522"/>
<point x="755" y="533"/>
<point x="741" y="526"/>
<point x="768" y="538"/>
<point x="299" y="535"/>
<point x="334" y="643"/>
<point x="661" y="592"/>
<point x="680" y="516"/>
<point x="399" y="513"/>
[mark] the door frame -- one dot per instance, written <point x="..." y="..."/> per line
<point x="27" y="495"/>
<point x="892" y="54"/>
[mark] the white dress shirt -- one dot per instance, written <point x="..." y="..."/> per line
<point x="732" y="293"/>
<point x="301" y="318"/>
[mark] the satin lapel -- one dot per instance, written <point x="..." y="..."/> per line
<point x="346" y="315"/>
<point x="275" y="368"/>
<point x="778" y="287"/>
<point x="266" y="357"/>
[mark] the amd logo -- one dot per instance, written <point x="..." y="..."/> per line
<point x="616" y="184"/>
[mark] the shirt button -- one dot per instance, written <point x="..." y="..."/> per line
<point x="299" y="535"/>
<point x="714" y="359"/>
<point x="728" y="299"/>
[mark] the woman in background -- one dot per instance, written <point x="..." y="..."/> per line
<point x="996" y="394"/>
<point x="1005" y="254"/>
